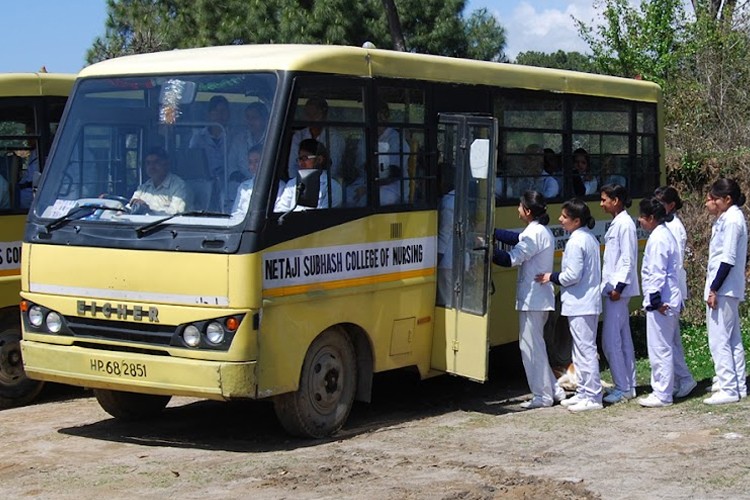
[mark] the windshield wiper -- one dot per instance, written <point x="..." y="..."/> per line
<point x="147" y="228"/>
<point x="77" y="213"/>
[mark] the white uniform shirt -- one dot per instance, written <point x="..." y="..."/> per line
<point x="728" y="244"/>
<point x="535" y="253"/>
<point x="170" y="197"/>
<point x="286" y="201"/>
<point x="620" y="262"/>
<point x="659" y="271"/>
<point x="677" y="229"/>
<point x="581" y="275"/>
<point x="547" y="185"/>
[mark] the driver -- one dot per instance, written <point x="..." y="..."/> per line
<point x="163" y="192"/>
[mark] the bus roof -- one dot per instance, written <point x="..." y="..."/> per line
<point x="363" y="62"/>
<point x="35" y="84"/>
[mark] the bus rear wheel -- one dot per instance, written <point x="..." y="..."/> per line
<point x="16" y="389"/>
<point x="326" y="391"/>
<point x="130" y="405"/>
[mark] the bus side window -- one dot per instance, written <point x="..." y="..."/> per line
<point x="334" y="117"/>
<point x="402" y="172"/>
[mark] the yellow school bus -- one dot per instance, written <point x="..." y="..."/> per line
<point x="31" y="105"/>
<point x="162" y="258"/>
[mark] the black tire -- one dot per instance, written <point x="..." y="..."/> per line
<point x="326" y="391"/>
<point x="130" y="405"/>
<point x="16" y="389"/>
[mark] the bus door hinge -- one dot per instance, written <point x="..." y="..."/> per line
<point x="455" y="346"/>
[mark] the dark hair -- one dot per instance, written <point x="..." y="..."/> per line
<point x="316" y="148"/>
<point x="534" y="202"/>
<point x="577" y="209"/>
<point x="157" y="151"/>
<point x="617" y="191"/>
<point x="258" y="148"/>
<point x="727" y="187"/>
<point x="259" y="107"/>
<point x="654" y="206"/>
<point x="319" y="103"/>
<point x="216" y="101"/>
<point x="668" y="194"/>
<point x="581" y="151"/>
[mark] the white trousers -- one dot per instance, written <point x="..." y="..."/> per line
<point x="585" y="356"/>
<point x="665" y="353"/>
<point x="534" y="354"/>
<point x="617" y="343"/>
<point x="725" y="342"/>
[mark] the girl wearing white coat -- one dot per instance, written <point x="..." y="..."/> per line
<point x="725" y="289"/>
<point x="580" y="279"/>
<point x="533" y="251"/>
<point x="662" y="300"/>
<point x="619" y="283"/>
<point x="684" y="382"/>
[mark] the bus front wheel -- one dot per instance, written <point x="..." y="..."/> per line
<point x="129" y="405"/>
<point x="326" y="391"/>
<point x="16" y="389"/>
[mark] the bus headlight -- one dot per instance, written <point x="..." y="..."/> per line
<point x="191" y="335"/>
<point x="215" y="332"/>
<point x="36" y="317"/>
<point x="54" y="322"/>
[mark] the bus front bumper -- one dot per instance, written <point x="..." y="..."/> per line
<point x="148" y="374"/>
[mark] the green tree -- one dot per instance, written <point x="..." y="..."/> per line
<point x="642" y="41"/>
<point x="559" y="60"/>
<point x="428" y="26"/>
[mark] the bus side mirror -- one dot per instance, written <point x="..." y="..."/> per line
<point x="308" y="188"/>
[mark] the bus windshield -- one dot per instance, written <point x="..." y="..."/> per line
<point x="136" y="150"/>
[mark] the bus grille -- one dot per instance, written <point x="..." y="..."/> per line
<point x="146" y="333"/>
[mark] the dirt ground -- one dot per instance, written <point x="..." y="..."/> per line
<point x="444" y="438"/>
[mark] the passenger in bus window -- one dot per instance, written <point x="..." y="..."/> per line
<point x="580" y="280"/>
<point x="311" y="154"/>
<point x="25" y="187"/>
<point x="619" y="284"/>
<point x="662" y="301"/>
<point x="253" y="134"/>
<point x="584" y="182"/>
<point x="393" y="158"/>
<point x="534" y="251"/>
<point x="610" y="173"/>
<point x="725" y="289"/>
<point x="245" y="190"/>
<point x="163" y="193"/>
<point x="214" y="137"/>
<point x="540" y="180"/>
<point x="315" y="113"/>
<point x="552" y="167"/>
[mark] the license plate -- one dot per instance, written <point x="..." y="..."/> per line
<point x="124" y="369"/>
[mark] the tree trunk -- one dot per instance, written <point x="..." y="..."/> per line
<point x="395" y="25"/>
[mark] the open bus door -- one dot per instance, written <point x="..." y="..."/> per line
<point x="467" y="155"/>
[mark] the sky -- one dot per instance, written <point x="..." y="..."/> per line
<point x="63" y="30"/>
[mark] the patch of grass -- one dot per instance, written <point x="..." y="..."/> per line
<point x="694" y="342"/>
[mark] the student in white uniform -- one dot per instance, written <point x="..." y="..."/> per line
<point x="580" y="279"/>
<point x="534" y="251"/>
<point x="662" y="300"/>
<point x="684" y="382"/>
<point x="619" y="284"/>
<point x="725" y="289"/>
